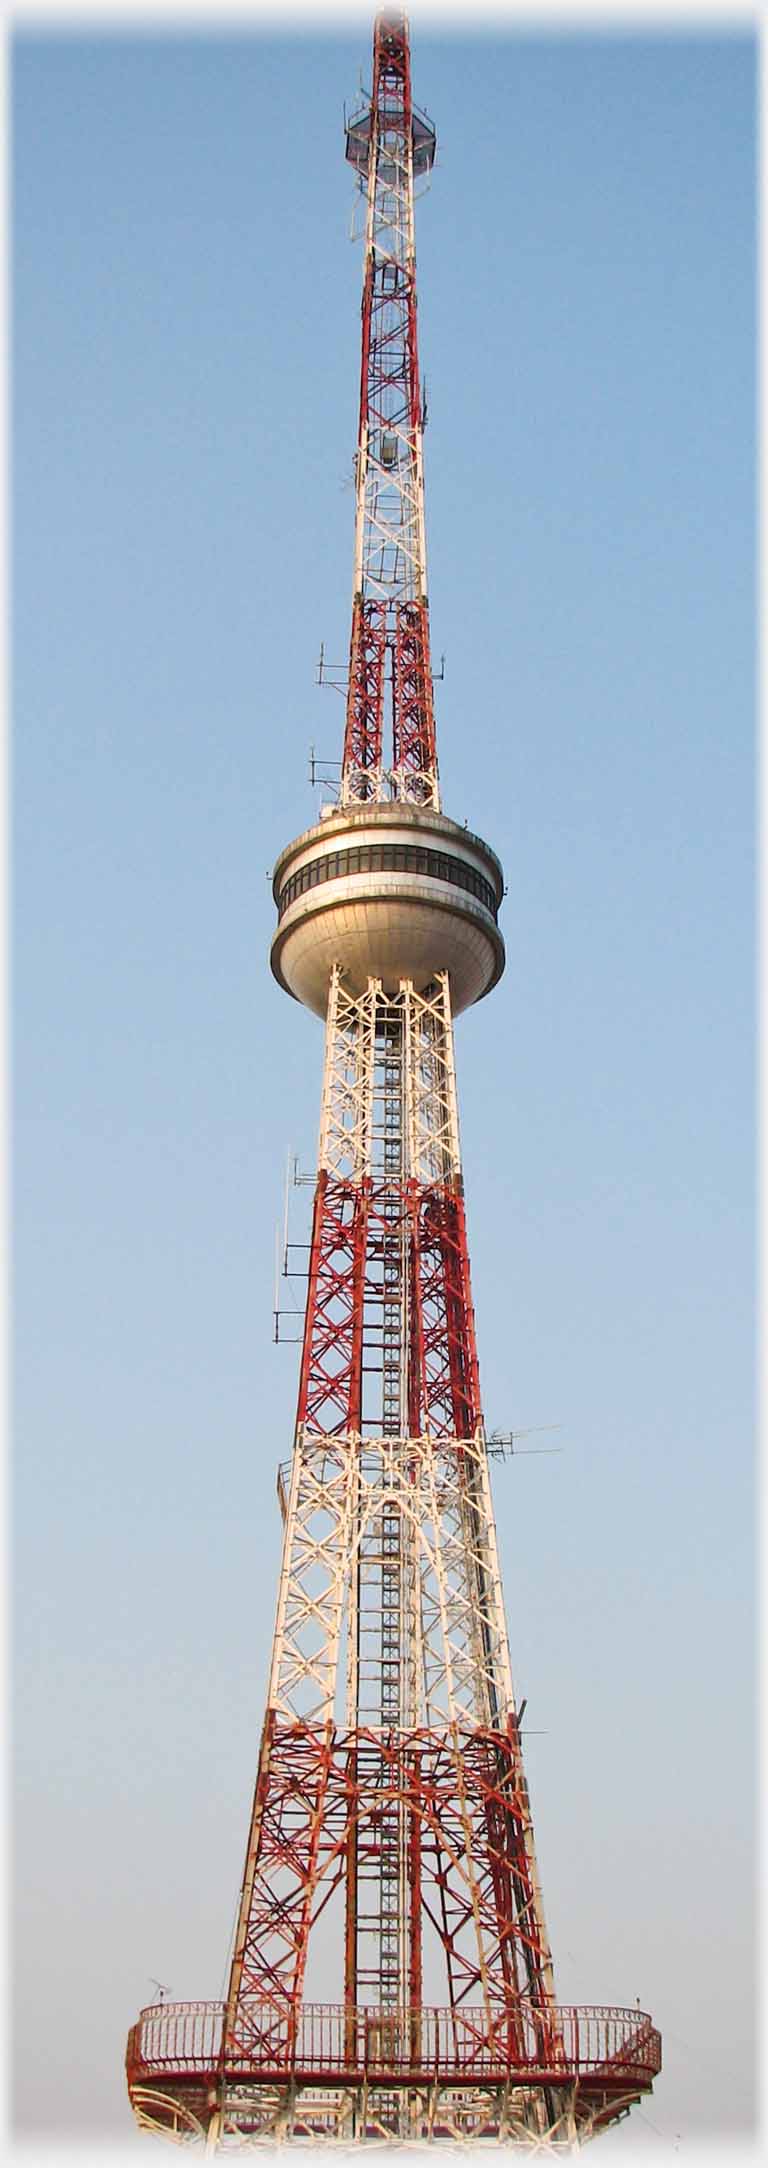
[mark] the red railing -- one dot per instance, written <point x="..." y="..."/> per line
<point x="611" y="2045"/>
<point x="183" y="2036"/>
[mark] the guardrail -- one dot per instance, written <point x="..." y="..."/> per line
<point x="562" y="2044"/>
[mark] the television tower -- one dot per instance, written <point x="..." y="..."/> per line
<point x="390" y="1854"/>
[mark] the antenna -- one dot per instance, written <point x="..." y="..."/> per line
<point x="502" y="1444"/>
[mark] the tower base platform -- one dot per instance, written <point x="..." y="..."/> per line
<point x="435" y="2076"/>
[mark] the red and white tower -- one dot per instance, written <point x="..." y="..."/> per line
<point x="391" y="1822"/>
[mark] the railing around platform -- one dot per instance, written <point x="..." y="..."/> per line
<point x="184" y="2039"/>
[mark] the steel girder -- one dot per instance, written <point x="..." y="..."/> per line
<point x="365" y="698"/>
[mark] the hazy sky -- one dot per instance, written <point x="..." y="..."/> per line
<point x="185" y="369"/>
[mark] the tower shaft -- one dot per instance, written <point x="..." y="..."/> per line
<point x="413" y="1795"/>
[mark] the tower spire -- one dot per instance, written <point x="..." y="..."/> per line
<point x="391" y="1975"/>
<point x="389" y="143"/>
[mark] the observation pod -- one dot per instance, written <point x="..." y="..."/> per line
<point x="387" y="892"/>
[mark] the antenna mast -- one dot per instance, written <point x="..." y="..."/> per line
<point x="389" y="663"/>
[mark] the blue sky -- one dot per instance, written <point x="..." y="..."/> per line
<point x="185" y="365"/>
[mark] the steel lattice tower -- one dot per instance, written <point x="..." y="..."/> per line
<point x="391" y="1802"/>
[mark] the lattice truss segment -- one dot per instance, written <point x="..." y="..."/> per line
<point x="390" y="556"/>
<point x="346" y="1144"/>
<point x="390" y="1762"/>
<point x="438" y="1492"/>
<point x="433" y="1483"/>
<point x="321" y="1802"/>
<point x="390" y="622"/>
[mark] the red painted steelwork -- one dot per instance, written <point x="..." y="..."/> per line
<point x="465" y="1800"/>
<point x="331" y="1364"/>
<point x="365" y="697"/>
<point x="444" y="1382"/>
<point x="413" y="716"/>
<point x="350" y="1221"/>
<point x="289" y="1838"/>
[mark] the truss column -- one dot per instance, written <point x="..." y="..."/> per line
<point x="365" y="697"/>
<point x="330" y="1388"/>
<point x="414" y="743"/>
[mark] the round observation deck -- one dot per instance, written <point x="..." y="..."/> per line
<point x="387" y="892"/>
<point x="312" y="2064"/>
